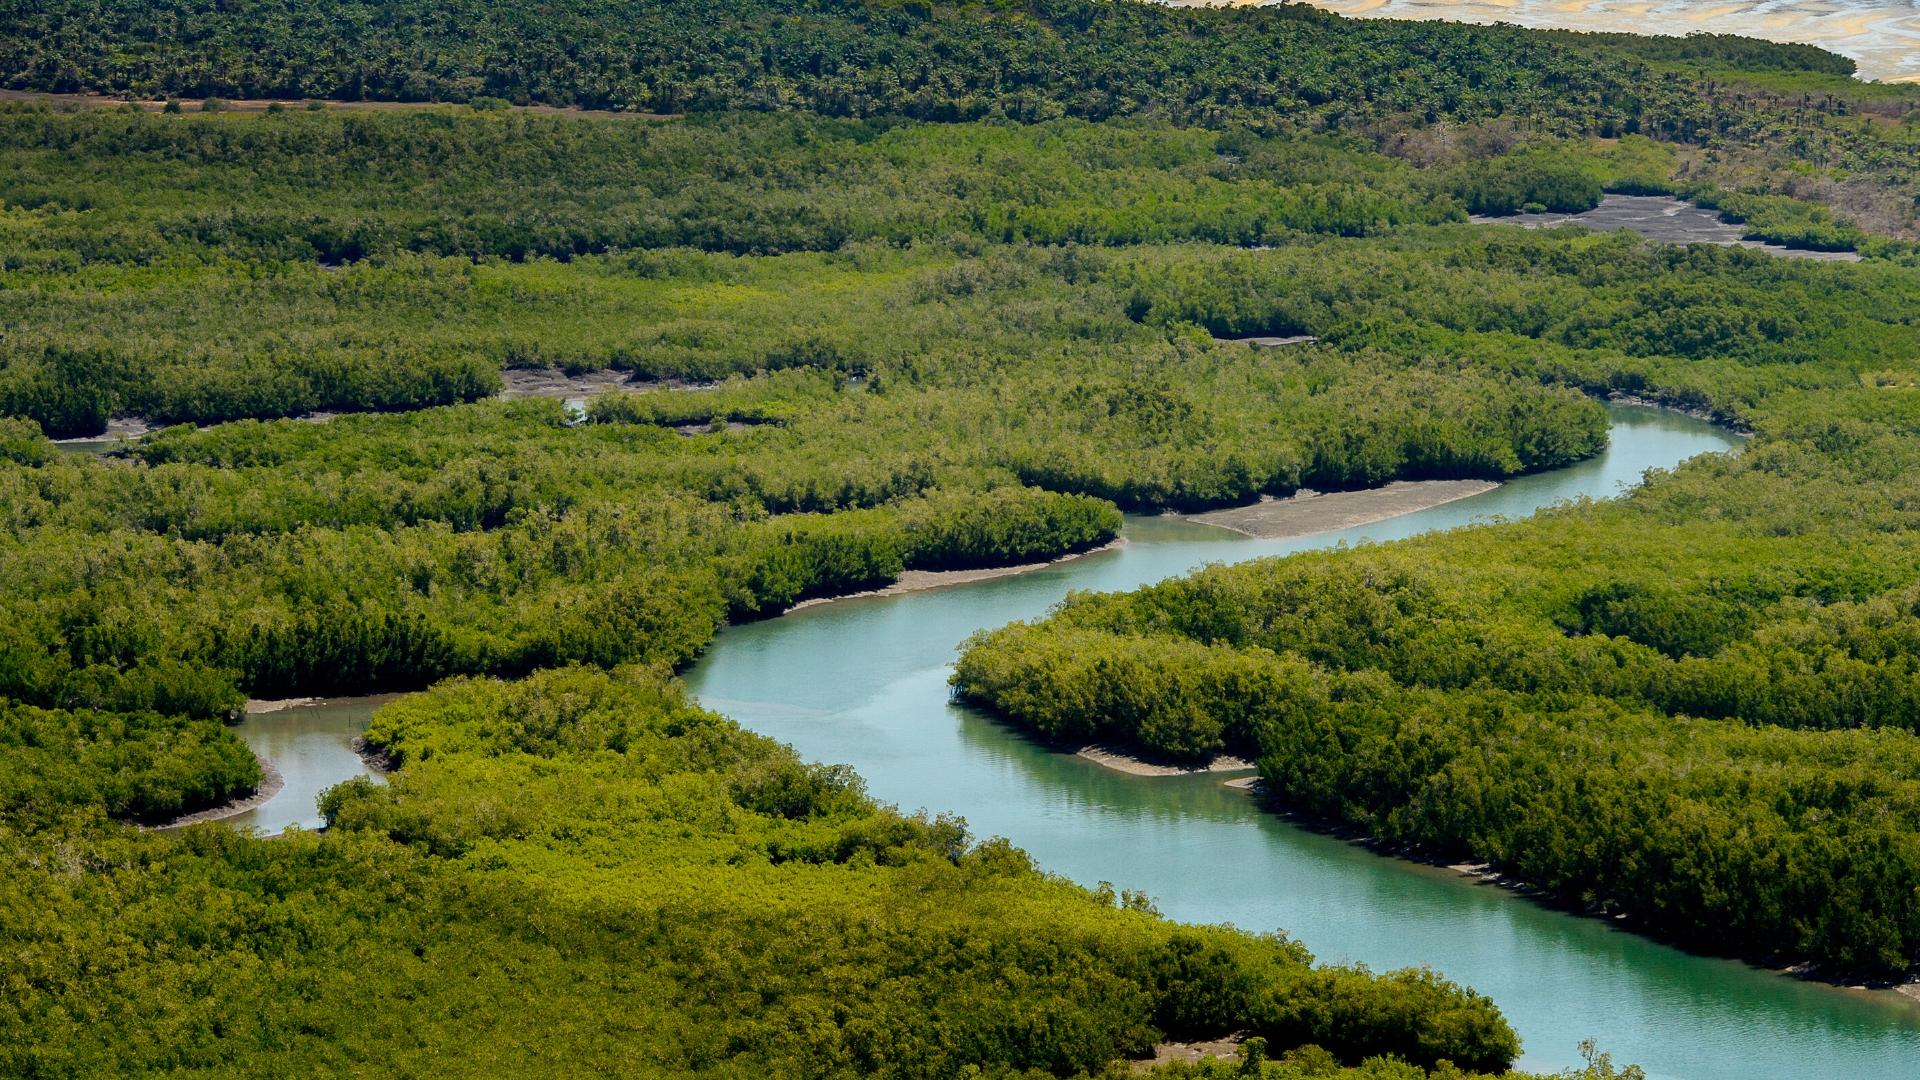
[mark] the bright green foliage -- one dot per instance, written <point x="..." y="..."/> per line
<point x="878" y="345"/>
<point x="653" y="891"/>
<point x="1697" y="706"/>
<point x="139" y="765"/>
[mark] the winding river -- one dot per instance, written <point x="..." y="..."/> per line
<point x="863" y="681"/>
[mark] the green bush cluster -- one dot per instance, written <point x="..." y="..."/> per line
<point x="1696" y="707"/>
<point x="587" y="855"/>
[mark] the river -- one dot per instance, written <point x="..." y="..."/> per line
<point x="863" y="681"/>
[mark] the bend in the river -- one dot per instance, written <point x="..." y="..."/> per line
<point x="863" y="681"/>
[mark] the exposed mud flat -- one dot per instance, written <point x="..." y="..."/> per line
<point x="1307" y="512"/>
<point x="551" y="382"/>
<point x="1169" y="1052"/>
<point x="119" y="429"/>
<point x="1268" y="341"/>
<point x="1663" y="218"/>
<point x="1121" y="761"/>
<point x="922" y="580"/>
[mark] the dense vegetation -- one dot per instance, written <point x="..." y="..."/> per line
<point x="1696" y="706"/>
<point x="583" y="872"/>
<point x="939" y="389"/>
<point x="926" y="60"/>
<point x="866" y="343"/>
<point x="1759" y="117"/>
<point x="215" y="268"/>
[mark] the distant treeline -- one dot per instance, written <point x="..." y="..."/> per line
<point x="920" y="58"/>
<point x="1777" y="118"/>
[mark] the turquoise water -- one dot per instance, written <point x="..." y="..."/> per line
<point x="863" y="681"/>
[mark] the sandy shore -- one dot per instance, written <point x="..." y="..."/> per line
<point x="270" y="784"/>
<point x="1123" y="762"/>
<point x="1882" y="36"/>
<point x="922" y="580"/>
<point x="1268" y="342"/>
<point x="1169" y="1052"/>
<point x="274" y="705"/>
<point x="1308" y="512"/>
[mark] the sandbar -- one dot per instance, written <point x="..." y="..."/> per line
<point x="1307" y="512"/>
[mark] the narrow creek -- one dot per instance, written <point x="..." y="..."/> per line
<point x="863" y="681"/>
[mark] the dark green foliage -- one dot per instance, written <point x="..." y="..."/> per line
<point x="127" y="764"/>
<point x="880" y="345"/>
<point x="930" y="61"/>
<point x="1563" y="183"/>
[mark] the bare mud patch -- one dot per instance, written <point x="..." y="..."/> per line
<point x="1662" y="218"/>
<point x="1307" y="512"/>
<point x="922" y="580"/>
<point x="1120" y="760"/>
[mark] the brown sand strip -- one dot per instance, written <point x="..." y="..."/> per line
<point x="270" y="784"/>
<point x="1307" y="512"/>
<point x="922" y="580"/>
<point x="1121" y="761"/>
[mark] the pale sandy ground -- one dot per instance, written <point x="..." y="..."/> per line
<point x="1308" y="512"/>
<point x="1662" y="218"/>
<point x="1267" y="342"/>
<point x="549" y="382"/>
<point x="1124" y="762"/>
<point x="270" y="783"/>
<point x="273" y="705"/>
<point x="1882" y="36"/>
<point x="922" y="580"/>
<point x="1170" y="1052"/>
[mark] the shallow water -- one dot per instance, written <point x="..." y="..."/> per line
<point x="1663" y="218"/>
<point x="863" y="681"/>
<point x="312" y="746"/>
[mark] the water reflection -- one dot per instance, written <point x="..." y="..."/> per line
<point x="863" y="681"/>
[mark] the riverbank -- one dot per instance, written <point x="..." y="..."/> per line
<point x="913" y="581"/>
<point x="1486" y="874"/>
<point x="1120" y="760"/>
<point x="1305" y="513"/>
<point x="271" y="781"/>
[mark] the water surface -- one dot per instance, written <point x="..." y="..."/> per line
<point x="312" y="746"/>
<point x="863" y="681"/>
